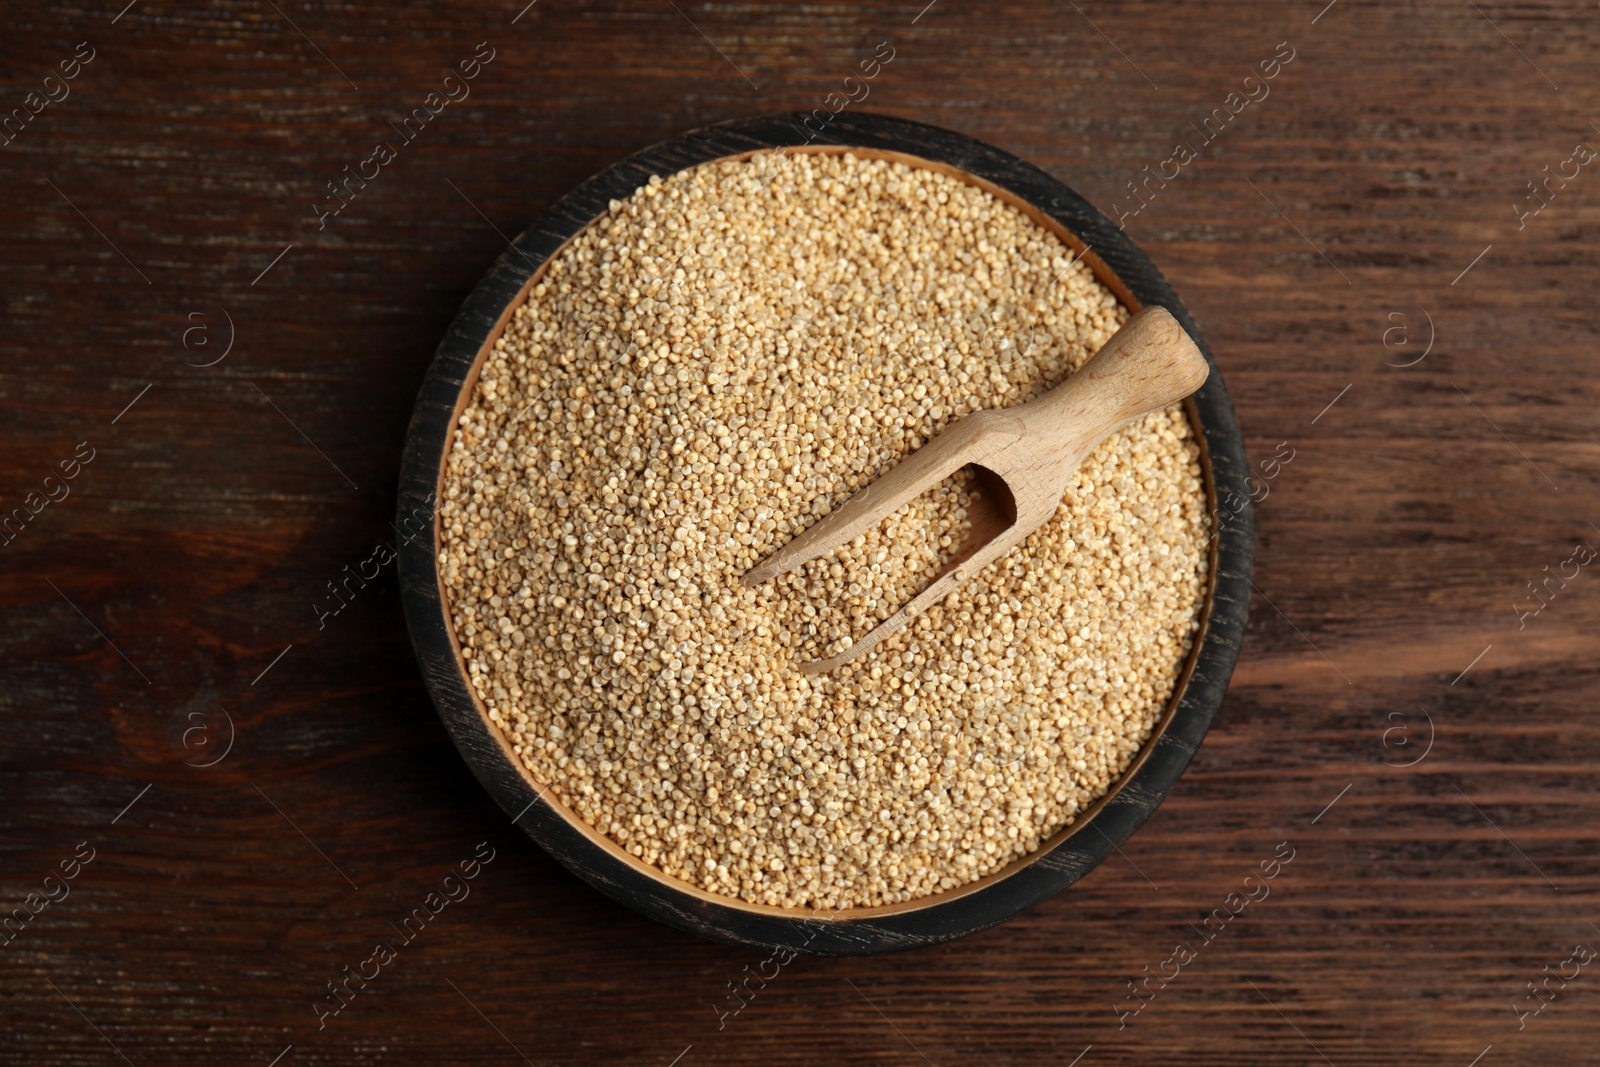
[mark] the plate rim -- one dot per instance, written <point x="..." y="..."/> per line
<point x="626" y="879"/>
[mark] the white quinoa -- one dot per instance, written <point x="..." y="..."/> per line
<point x="701" y="374"/>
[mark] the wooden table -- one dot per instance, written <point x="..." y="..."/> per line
<point x="1351" y="244"/>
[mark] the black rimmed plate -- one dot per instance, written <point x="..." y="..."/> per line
<point x="1065" y="857"/>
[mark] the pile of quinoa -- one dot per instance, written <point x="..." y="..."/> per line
<point x="705" y="371"/>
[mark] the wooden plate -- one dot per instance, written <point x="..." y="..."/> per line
<point x="1067" y="856"/>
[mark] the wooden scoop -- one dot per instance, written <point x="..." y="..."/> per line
<point x="1023" y="457"/>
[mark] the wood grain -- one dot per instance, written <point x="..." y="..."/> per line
<point x="1389" y="154"/>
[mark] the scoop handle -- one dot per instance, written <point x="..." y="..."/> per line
<point x="1148" y="364"/>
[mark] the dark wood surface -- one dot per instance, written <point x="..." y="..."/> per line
<point x="1388" y="156"/>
